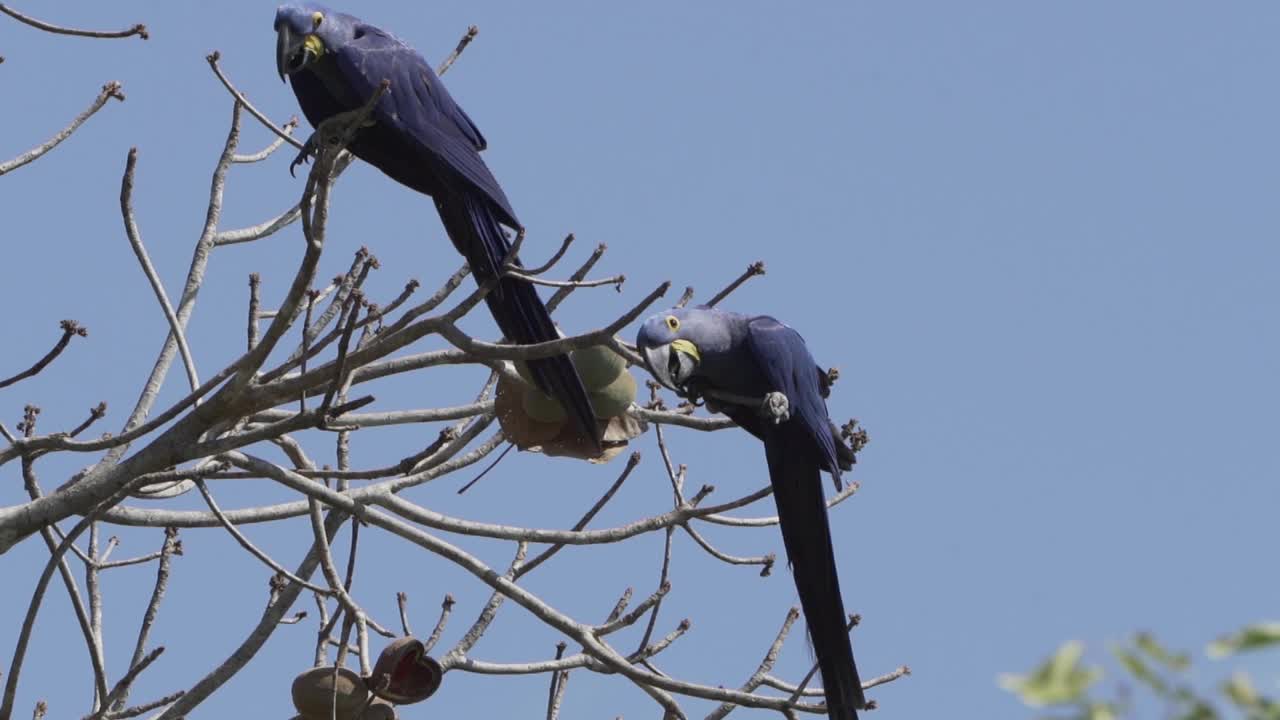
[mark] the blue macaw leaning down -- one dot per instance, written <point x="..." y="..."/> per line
<point x="422" y="139"/>
<point x="759" y="372"/>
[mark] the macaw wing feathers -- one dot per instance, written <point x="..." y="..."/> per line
<point x="418" y="108"/>
<point x="788" y="367"/>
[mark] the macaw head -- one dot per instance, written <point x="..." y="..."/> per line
<point x="669" y="343"/>
<point x="304" y="32"/>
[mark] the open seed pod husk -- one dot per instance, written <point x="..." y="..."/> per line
<point x="524" y="431"/>
<point x="404" y="674"/>
<point x="562" y="439"/>
<point x="313" y="694"/>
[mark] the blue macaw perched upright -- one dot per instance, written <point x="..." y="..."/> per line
<point x="422" y="139"/>
<point x="759" y="372"/>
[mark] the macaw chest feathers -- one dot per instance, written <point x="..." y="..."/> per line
<point x="325" y="69"/>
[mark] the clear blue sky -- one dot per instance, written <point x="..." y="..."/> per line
<point x="1038" y="238"/>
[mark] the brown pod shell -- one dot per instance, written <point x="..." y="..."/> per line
<point x="404" y="673"/>
<point x="314" y="696"/>
<point x="379" y="709"/>
<point x="516" y="424"/>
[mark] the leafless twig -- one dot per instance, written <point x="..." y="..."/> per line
<point x="140" y="30"/>
<point x="462" y="45"/>
<point x="109" y="91"/>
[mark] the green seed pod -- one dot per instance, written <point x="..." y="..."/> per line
<point x="598" y="365"/>
<point x="613" y="399"/>
<point x="542" y="407"/>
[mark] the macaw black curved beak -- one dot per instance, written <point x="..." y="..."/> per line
<point x="672" y="364"/>
<point x="293" y="52"/>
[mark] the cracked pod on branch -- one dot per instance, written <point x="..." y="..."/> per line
<point x="404" y="673"/>
<point x="534" y="421"/>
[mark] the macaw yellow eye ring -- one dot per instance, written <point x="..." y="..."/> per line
<point x="673" y="323"/>
<point x="317" y="18"/>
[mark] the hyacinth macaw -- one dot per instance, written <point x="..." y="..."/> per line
<point x="422" y="139"/>
<point x="745" y="367"/>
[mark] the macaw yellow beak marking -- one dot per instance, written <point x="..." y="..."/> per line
<point x="687" y="348"/>
<point x="314" y="45"/>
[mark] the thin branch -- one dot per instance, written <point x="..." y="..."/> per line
<point x="96" y="413"/>
<point x="490" y="610"/>
<point x="402" y="600"/>
<point x="754" y="269"/>
<point x="462" y="45"/>
<point x="247" y="545"/>
<point x="109" y="91"/>
<point x="719" y="519"/>
<point x="255" y="302"/>
<point x="70" y="329"/>
<point x="577" y="276"/>
<point x="260" y="231"/>
<point x="545" y="555"/>
<point x="281" y="601"/>
<point x="73" y="591"/>
<point x="616" y="281"/>
<point x="265" y="153"/>
<point x="280" y="132"/>
<point x="121" y="688"/>
<point x="564" y="247"/>
<point x="559" y="680"/>
<point x="37" y="596"/>
<point x="583" y="634"/>
<point x="446" y="607"/>
<point x="140" y="30"/>
<point x="766" y="561"/>
<point x="766" y="665"/>
<point x="172" y="546"/>
<point x="129" y="561"/>
<point x="139" y="250"/>
<point x="137" y="710"/>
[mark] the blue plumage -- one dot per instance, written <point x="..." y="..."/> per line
<point x="736" y="361"/>
<point x="422" y="139"/>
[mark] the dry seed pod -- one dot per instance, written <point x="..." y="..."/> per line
<point x="314" y="696"/>
<point x="404" y="674"/>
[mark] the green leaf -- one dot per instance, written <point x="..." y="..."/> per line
<point x="1199" y="710"/>
<point x="1240" y="691"/>
<point x="1147" y="643"/>
<point x="1058" y="680"/>
<point x="1139" y="669"/>
<point x="1251" y="637"/>
<point x="1102" y="711"/>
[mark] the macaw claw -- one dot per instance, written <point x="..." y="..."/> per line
<point x="304" y="155"/>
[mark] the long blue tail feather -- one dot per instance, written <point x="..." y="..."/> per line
<point x="794" y="471"/>
<point x="520" y="313"/>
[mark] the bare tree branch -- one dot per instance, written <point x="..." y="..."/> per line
<point x="109" y="91"/>
<point x="140" y="30"/>
<point x="462" y="45"/>
<point x="70" y="329"/>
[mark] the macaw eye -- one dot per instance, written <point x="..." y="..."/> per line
<point x="317" y="18"/>
<point x="673" y="323"/>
